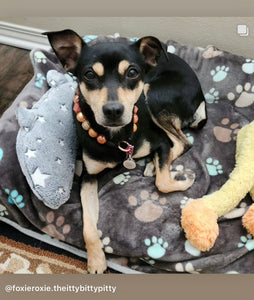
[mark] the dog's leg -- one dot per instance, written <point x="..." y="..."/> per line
<point x="90" y="203"/>
<point x="179" y="180"/>
<point x="96" y="260"/>
<point x="167" y="181"/>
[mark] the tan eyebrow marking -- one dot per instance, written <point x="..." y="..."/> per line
<point x="123" y="66"/>
<point x="98" y="68"/>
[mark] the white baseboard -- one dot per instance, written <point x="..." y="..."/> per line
<point x="22" y="36"/>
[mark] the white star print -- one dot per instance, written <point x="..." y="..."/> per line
<point x="59" y="161"/>
<point x="52" y="83"/>
<point x="30" y="153"/>
<point x="39" y="178"/>
<point x="63" y="107"/>
<point x="41" y="119"/>
<point x="61" y="142"/>
<point x="61" y="190"/>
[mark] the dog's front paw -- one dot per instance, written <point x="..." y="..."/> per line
<point x="96" y="262"/>
<point x="179" y="180"/>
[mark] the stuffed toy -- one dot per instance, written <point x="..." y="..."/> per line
<point x="48" y="160"/>
<point x="199" y="217"/>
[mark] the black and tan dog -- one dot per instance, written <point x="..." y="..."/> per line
<point x="133" y="100"/>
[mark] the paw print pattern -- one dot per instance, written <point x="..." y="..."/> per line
<point x="89" y="38"/>
<point x="212" y="96"/>
<point x="213" y="166"/>
<point x="149" y="261"/>
<point x="3" y="211"/>
<point x="122" y="178"/>
<point x="14" y="198"/>
<point x="133" y="39"/>
<point x="232" y="272"/>
<point x="23" y="104"/>
<point x="56" y="226"/>
<point x="247" y="242"/>
<point x="211" y="52"/>
<point x="105" y="243"/>
<point x="1" y="154"/>
<point x="248" y="66"/>
<point x="190" y="138"/>
<point x="244" y="95"/>
<point x="39" y="57"/>
<point x="237" y="212"/>
<point x="39" y="80"/>
<point x="185" y="201"/>
<point x="220" y="73"/>
<point x="227" y="132"/>
<point x="188" y="267"/>
<point x="189" y="248"/>
<point x="147" y="211"/>
<point x="156" y="247"/>
<point x="171" y="49"/>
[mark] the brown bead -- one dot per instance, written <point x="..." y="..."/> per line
<point x="80" y="117"/>
<point x="86" y="125"/>
<point x="76" y="99"/>
<point x="135" y="119"/>
<point x="135" y="127"/>
<point x="101" y="139"/>
<point x="92" y="133"/>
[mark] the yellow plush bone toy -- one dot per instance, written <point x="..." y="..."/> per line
<point x="199" y="217"/>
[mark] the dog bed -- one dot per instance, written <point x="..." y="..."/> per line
<point x="140" y="227"/>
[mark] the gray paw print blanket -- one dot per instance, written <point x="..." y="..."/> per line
<point x="140" y="227"/>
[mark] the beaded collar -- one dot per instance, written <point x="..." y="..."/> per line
<point x="129" y="163"/>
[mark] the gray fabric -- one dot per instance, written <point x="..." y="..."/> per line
<point x="139" y="226"/>
<point x="47" y="130"/>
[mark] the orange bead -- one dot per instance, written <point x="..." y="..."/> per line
<point x="135" y="127"/>
<point x="135" y="109"/>
<point x="86" y="125"/>
<point x="101" y="139"/>
<point x="80" y="117"/>
<point x="92" y="133"/>
<point x="135" y="119"/>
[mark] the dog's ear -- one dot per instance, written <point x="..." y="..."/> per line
<point x="151" y="48"/>
<point x="67" y="45"/>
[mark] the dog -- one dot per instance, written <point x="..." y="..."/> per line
<point x="133" y="100"/>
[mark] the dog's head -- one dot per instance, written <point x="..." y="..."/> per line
<point x="110" y="74"/>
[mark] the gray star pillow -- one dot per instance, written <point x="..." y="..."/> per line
<point x="46" y="141"/>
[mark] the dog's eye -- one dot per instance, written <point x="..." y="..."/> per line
<point x="89" y="75"/>
<point x="132" y="73"/>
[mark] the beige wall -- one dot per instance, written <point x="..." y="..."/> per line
<point x="218" y="31"/>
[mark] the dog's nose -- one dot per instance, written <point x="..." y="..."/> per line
<point x="113" y="110"/>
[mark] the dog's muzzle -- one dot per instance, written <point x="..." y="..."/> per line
<point x="113" y="111"/>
